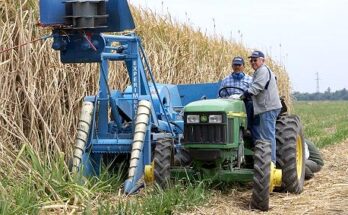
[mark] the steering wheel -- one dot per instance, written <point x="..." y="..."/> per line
<point x="225" y="89"/>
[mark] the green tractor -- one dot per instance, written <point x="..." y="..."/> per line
<point x="216" y="146"/>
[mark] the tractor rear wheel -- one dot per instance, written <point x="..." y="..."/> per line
<point x="262" y="176"/>
<point x="290" y="153"/>
<point x="163" y="157"/>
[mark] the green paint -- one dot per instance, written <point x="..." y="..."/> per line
<point x="215" y="175"/>
<point x="216" y="105"/>
<point x="222" y="168"/>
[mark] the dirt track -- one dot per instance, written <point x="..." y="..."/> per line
<point x="326" y="193"/>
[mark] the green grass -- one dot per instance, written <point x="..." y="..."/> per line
<point x="325" y="122"/>
<point x="30" y="183"/>
<point x="32" y="186"/>
<point x="178" y="198"/>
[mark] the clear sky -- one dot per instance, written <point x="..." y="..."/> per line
<point x="307" y="36"/>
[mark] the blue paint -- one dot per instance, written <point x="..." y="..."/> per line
<point x="52" y="13"/>
<point x="193" y="92"/>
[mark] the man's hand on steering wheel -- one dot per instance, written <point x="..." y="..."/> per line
<point x="227" y="92"/>
<point x="245" y="96"/>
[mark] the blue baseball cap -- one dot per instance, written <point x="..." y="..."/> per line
<point x="238" y="61"/>
<point x="256" y="54"/>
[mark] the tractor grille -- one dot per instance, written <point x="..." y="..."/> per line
<point x="205" y="133"/>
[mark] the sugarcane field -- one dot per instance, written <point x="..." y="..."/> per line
<point x="173" y="107"/>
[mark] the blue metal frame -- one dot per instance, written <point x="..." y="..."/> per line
<point x="111" y="136"/>
<point x="119" y="140"/>
<point x="114" y="135"/>
<point x="166" y="100"/>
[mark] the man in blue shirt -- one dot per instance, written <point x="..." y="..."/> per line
<point x="243" y="81"/>
<point x="236" y="79"/>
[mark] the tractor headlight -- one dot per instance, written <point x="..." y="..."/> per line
<point x="215" y="119"/>
<point x="192" y="119"/>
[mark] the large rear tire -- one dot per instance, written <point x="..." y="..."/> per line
<point x="262" y="176"/>
<point x="162" y="162"/>
<point x="290" y="153"/>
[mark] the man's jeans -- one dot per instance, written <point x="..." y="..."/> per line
<point x="265" y="130"/>
<point x="253" y="121"/>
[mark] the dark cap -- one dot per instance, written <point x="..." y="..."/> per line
<point x="256" y="54"/>
<point x="238" y="61"/>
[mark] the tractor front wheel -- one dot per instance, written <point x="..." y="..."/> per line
<point x="262" y="176"/>
<point x="163" y="157"/>
<point x="290" y="153"/>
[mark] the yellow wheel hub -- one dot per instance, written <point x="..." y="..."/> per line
<point x="149" y="175"/>
<point x="276" y="177"/>
<point x="299" y="156"/>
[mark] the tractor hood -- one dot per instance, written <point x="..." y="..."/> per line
<point x="216" y="105"/>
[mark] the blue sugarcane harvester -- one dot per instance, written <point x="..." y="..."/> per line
<point x="142" y="115"/>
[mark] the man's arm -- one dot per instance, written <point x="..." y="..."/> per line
<point x="260" y="79"/>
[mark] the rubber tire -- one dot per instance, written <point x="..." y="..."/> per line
<point x="182" y="158"/>
<point x="288" y="128"/>
<point x="262" y="174"/>
<point x="163" y="157"/>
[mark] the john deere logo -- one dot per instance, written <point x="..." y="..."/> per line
<point x="204" y="118"/>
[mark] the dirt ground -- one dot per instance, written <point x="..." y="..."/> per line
<point x="326" y="193"/>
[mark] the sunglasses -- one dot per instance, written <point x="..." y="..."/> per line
<point x="237" y="64"/>
<point x="253" y="60"/>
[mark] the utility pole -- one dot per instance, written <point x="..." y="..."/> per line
<point x="317" y="79"/>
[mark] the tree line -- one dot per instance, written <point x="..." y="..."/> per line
<point x="327" y="95"/>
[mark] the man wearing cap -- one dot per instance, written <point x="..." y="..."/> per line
<point x="264" y="93"/>
<point x="240" y="80"/>
<point x="236" y="79"/>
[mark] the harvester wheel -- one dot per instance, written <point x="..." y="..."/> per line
<point x="162" y="162"/>
<point x="290" y="153"/>
<point x="262" y="176"/>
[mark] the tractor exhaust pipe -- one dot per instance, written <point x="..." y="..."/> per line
<point x="142" y="121"/>
<point x="82" y="134"/>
